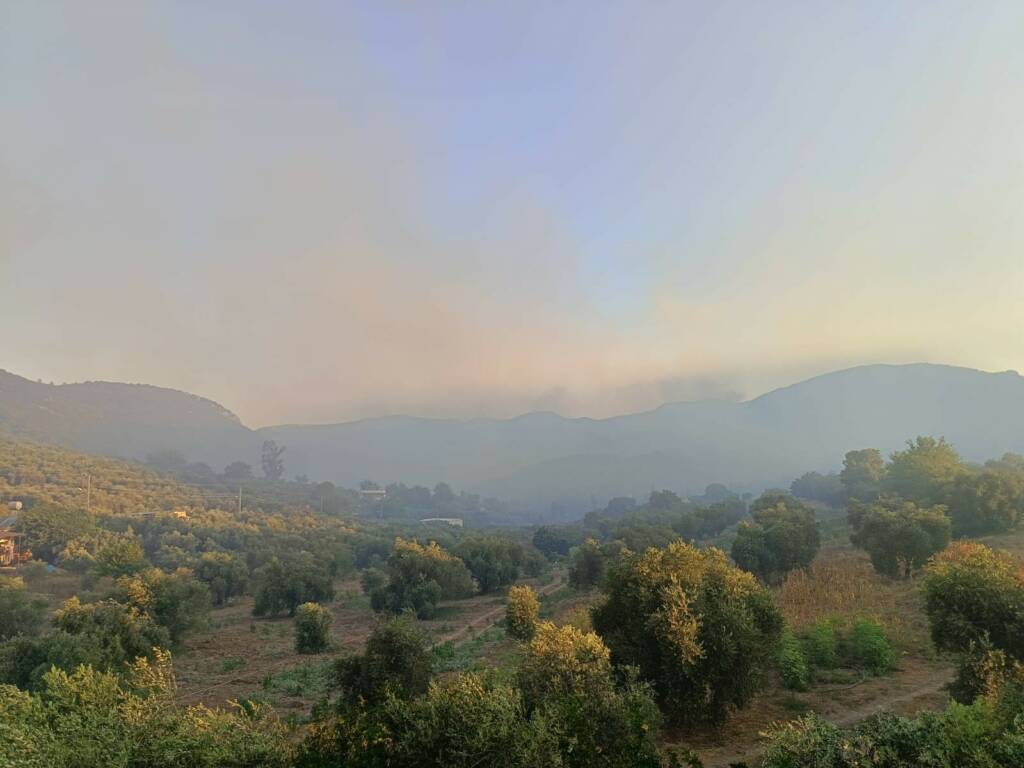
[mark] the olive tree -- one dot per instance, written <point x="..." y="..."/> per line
<point x="312" y="628"/>
<point x="700" y="630"/>
<point x="899" y="535"/>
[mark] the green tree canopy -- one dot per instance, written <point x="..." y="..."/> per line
<point x="923" y="471"/>
<point x="899" y="535"/>
<point x="783" y="536"/>
<point x="863" y="473"/>
<point x="701" y="631"/>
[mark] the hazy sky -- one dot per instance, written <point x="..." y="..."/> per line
<point x="319" y="211"/>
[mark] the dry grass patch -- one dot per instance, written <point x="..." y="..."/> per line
<point x="842" y="583"/>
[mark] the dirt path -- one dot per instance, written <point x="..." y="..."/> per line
<point x="265" y="647"/>
<point x="918" y="687"/>
<point x="488" y="620"/>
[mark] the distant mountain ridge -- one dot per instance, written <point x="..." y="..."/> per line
<point x="542" y="459"/>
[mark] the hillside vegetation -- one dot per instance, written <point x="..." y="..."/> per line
<point x="42" y="474"/>
<point x="543" y="464"/>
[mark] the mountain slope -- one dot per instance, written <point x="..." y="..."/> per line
<point x="127" y="420"/>
<point x="541" y="458"/>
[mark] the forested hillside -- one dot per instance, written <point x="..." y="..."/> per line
<point x="541" y="463"/>
<point x="42" y="474"/>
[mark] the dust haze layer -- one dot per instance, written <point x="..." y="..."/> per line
<point x="542" y="461"/>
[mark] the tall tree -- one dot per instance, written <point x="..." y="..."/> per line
<point x="923" y="471"/>
<point x="862" y="475"/>
<point x="273" y="464"/>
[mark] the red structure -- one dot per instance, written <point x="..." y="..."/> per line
<point x="12" y="551"/>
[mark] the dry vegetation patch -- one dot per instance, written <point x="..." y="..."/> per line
<point x="842" y="583"/>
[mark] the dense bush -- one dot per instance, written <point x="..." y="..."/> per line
<point x="987" y="734"/>
<point x="870" y="648"/>
<point x="312" y="628"/>
<point x="396" y="662"/>
<point x="522" y="612"/>
<point x="898" y="535"/>
<point x="104" y="635"/>
<point x="701" y="631"/>
<point x="974" y="596"/>
<point x="574" y="715"/>
<point x="176" y="601"/>
<point x="21" y="612"/>
<point x="829" y="644"/>
<point x="821" y="644"/>
<point x="225" y="575"/>
<point x="90" y="718"/>
<point x="793" y="667"/>
<point x="782" y="537"/>
<point x="494" y="561"/>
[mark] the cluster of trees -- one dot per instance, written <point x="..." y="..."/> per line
<point x="497" y="561"/>
<point x="904" y="511"/>
<point x="282" y="585"/>
<point x="418" y="577"/>
<point x="663" y="519"/>
<point x="42" y="474"/>
<point x="979" y="499"/>
<point x="90" y="718"/>
<point x="813" y="486"/>
<point x="782" y="536"/>
<point x="898" y="535"/>
<point x="141" y="613"/>
<point x="563" y="706"/>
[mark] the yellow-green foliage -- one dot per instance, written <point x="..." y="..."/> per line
<point x="90" y="718"/>
<point x="522" y="612"/>
<point x="45" y="474"/>
<point x="563" y="660"/>
<point x="700" y="630"/>
<point x="973" y="596"/>
<point x="312" y="628"/>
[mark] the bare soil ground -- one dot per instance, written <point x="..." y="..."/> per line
<point x="919" y="685"/>
<point x="237" y="653"/>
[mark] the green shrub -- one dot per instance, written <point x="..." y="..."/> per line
<point x="821" y="644"/>
<point x="793" y="667"/>
<point x="870" y="648"/>
<point x="522" y="611"/>
<point x="809" y="741"/>
<point x="312" y="628"/>
<point x="397" y="661"/>
<point x="23" y="613"/>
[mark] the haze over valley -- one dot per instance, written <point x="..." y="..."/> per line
<point x="538" y="461"/>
